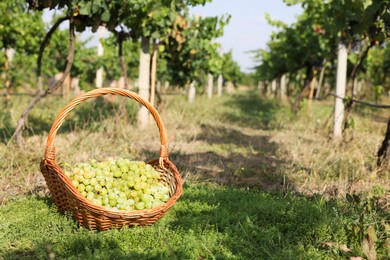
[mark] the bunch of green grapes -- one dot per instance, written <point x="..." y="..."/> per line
<point x="119" y="184"/>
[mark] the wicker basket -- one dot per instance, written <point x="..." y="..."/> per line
<point x="92" y="216"/>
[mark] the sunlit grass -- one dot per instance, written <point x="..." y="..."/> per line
<point x="207" y="222"/>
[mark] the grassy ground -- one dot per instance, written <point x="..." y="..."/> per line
<point x="259" y="182"/>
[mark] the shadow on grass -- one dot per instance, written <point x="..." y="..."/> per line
<point x="249" y="109"/>
<point x="234" y="158"/>
<point x="208" y="222"/>
<point x="259" y="225"/>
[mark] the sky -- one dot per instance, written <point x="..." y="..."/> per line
<point x="247" y="30"/>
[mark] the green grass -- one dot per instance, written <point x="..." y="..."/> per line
<point x="208" y="222"/>
<point x="260" y="183"/>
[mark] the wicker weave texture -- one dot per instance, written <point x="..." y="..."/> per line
<point x="68" y="199"/>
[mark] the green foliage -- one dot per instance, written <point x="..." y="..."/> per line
<point x="22" y="32"/>
<point x="312" y="39"/>
<point x="143" y="18"/>
<point x="230" y="69"/>
<point x="18" y="29"/>
<point x="110" y="60"/>
<point x="196" y="52"/>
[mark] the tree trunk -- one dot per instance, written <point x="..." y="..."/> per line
<point x="260" y="86"/>
<point x="312" y="86"/>
<point x="153" y="74"/>
<point x="318" y="93"/>
<point x="341" y="80"/>
<point x="166" y="85"/>
<point x="42" y="47"/>
<point x="144" y="80"/>
<point x="229" y="87"/>
<point x="191" y="92"/>
<point x="273" y="88"/>
<point x="66" y="86"/>
<point x="384" y="151"/>
<point x="210" y="81"/>
<point x="283" y="87"/>
<point x="355" y="88"/>
<point x="153" y="78"/>
<point x="122" y="60"/>
<point x="158" y="86"/>
<point x="55" y="85"/>
<point x="311" y="94"/>
<point x="219" y="85"/>
<point x="7" y="79"/>
<point x="100" y="52"/>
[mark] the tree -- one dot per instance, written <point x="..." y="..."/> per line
<point x="20" y="31"/>
<point x="314" y="37"/>
<point x="191" y="50"/>
<point x="145" y="18"/>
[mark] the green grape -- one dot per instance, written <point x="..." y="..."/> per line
<point x="93" y="182"/>
<point x="80" y="178"/>
<point x="130" y="183"/>
<point x="97" y="187"/>
<point x="113" y="168"/>
<point x="146" y="198"/>
<point x="137" y="186"/>
<point x="98" y="201"/>
<point x="93" y="162"/>
<point x="104" y="191"/>
<point x="99" y="177"/>
<point x="108" y="184"/>
<point x="119" y="184"/>
<point x="87" y="174"/>
<point x="111" y="195"/>
<point x="81" y="187"/>
<point x="113" y="202"/>
<point x="105" y="201"/>
<point x="158" y="195"/>
<point x="90" y="196"/>
<point x="134" y="193"/>
<point x="75" y="183"/>
<point x="86" y="181"/>
<point x="88" y="188"/>
<point x="165" y="198"/>
<point x="124" y="168"/>
<point x="117" y="173"/>
<point x="128" y="193"/>
<point x="121" y="200"/>
<point x="143" y="185"/>
<point x="148" y="205"/>
<point x="140" y="205"/>
<point x="130" y="202"/>
<point x="137" y="179"/>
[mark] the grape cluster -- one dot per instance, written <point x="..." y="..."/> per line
<point x="119" y="184"/>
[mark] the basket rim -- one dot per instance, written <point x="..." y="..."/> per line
<point x="50" y="147"/>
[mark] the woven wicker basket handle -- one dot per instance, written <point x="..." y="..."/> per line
<point x="50" y="149"/>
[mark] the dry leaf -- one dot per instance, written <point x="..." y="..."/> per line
<point x="341" y="247"/>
